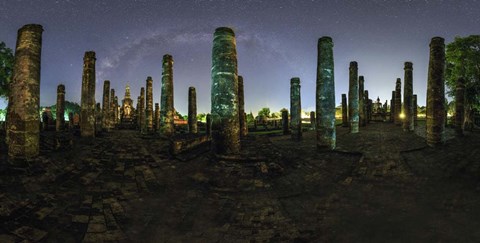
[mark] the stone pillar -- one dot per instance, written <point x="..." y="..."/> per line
<point x="87" y="117"/>
<point x="408" y="123"/>
<point x="436" y="93"/>
<point x="106" y="105"/>
<point x="361" y="101"/>
<point x="392" y="107"/>
<point x="60" y="122"/>
<point x="325" y="95"/>
<point x="112" y="118"/>
<point x="23" y="121"/>
<point x="192" y="110"/>
<point x="353" y="93"/>
<point x="70" y="121"/>
<point x="459" y="106"/>
<point x="142" y="111"/>
<point x="157" y="117"/>
<point x="313" y="125"/>
<point x="369" y="109"/>
<point x="415" y="110"/>
<point x="285" y="127"/>
<point x="398" y="102"/>
<point x="98" y="118"/>
<point x="225" y="115"/>
<point x="139" y="109"/>
<point x="366" y="106"/>
<point x="149" y="105"/>
<point x="295" y="109"/>
<point x="208" y="125"/>
<point x="344" y="111"/>
<point x="241" y="108"/>
<point x="167" y="126"/>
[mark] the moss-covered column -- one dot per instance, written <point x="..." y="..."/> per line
<point x="325" y="95"/>
<point x="149" y="105"/>
<point x="398" y="102"/>
<point x="435" y="119"/>
<point x="459" y="106"/>
<point x="157" y="117"/>
<point x="313" y="121"/>
<point x="87" y="117"/>
<point x="361" y="100"/>
<point x="344" y="111"/>
<point x="98" y="119"/>
<point x="241" y="108"/>
<point x="106" y="105"/>
<point x="208" y="125"/>
<point x="142" y="111"/>
<point x="111" y="117"/>
<point x="415" y="110"/>
<point x="70" y="121"/>
<point x="23" y="129"/>
<point x="408" y="123"/>
<point x="224" y="110"/>
<point x="139" y="109"/>
<point x="353" y="111"/>
<point x="295" y="109"/>
<point x="117" y="110"/>
<point x="392" y="107"/>
<point x="167" y="126"/>
<point x="60" y="122"/>
<point x="285" y="127"/>
<point x="192" y="110"/>
<point x="366" y="98"/>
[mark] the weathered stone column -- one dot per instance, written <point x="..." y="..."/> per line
<point x="285" y="127"/>
<point x="167" y="126"/>
<point x="98" y="119"/>
<point x="143" y="124"/>
<point x="408" y="123"/>
<point x="365" y="106"/>
<point x="325" y="95"/>
<point x="415" y="110"/>
<point x="208" y="125"/>
<point x="60" y="122"/>
<point x="225" y="115"/>
<point x="344" y="111"/>
<point x="392" y="108"/>
<point x="117" y="110"/>
<point x="398" y="102"/>
<point x="241" y="108"/>
<point x="139" y="109"/>
<point x="192" y="110"/>
<point x="295" y="109"/>
<point x="112" y="118"/>
<point x="157" y="117"/>
<point x="369" y="109"/>
<point x="106" y="105"/>
<point x="353" y="111"/>
<point x="313" y="121"/>
<point x="70" y="121"/>
<point x="459" y="106"/>
<point x="23" y="121"/>
<point x="87" y="117"/>
<point x="361" y="101"/>
<point x="436" y="93"/>
<point x="149" y="105"/>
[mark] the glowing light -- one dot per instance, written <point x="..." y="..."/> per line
<point x="402" y="115"/>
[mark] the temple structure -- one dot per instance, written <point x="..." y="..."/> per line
<point x="127" y="112"/>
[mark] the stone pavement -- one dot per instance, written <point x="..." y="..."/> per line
<point x="380" y="185"/>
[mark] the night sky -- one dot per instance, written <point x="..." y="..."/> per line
<point x="276" y="40"/>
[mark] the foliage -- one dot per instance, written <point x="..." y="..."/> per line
<point x="264" y="112"/>
<point x="69" y="107"/>
<point x="6" y="69"/>
<point x="250" y="117"/>
<point x="202" y="117"/>
<point x="463" y="60"/>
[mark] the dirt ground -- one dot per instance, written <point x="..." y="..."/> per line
<point x="380" y="185"/>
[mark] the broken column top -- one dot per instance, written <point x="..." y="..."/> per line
<point x="224" y="31"/>
<point x="295" y="80"/>
<point x="61" y="88"/>
<point x="361" y="78"/>
<point x="437" y="41"/>
<point x="408" y="65"/>
<point x="167" y="57"/>
<point x="399" y="80"/>
<point x="31" y="27"/>
<point x="353" y="64"/>
<point x="325" y="40"/>
<point x="191" y="88"/>
<point x="149" y="78"/>
<point x="106" y="82"/>
<point x="89" y="54"/>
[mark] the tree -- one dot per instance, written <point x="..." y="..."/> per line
<point x="250" y="117"/>
<point x="264" y="112"/>
<point x="463" y="60"/>
<point x="6" y="69"/>
<point x="201" y="117"/>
